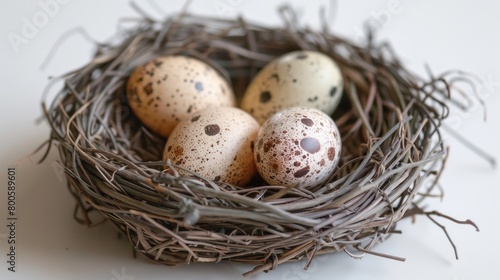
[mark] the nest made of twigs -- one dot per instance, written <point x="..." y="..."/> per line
<point x="389" y="121"/>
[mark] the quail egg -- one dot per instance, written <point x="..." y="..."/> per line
<point x="299" y="78"/>
<point x="298" y="146"/>
<point x="216" y="143"/>
<point x="169" y="89"/>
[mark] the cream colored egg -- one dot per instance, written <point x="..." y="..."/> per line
<point x="170" y="89"/>
<point x="300" y="78"/>
<point x="298" y="146"/>
<point x="216" y="143"/>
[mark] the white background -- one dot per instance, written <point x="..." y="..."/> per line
<point x="444" y="34"/>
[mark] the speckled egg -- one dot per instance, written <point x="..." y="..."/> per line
<point x="216" y="143"/>
<point x="170" y="89"/>
<point x="298" y="146"/>
<point x="299" y="78"/>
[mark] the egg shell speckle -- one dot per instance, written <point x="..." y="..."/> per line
<point x="216" y="143"/>
<point x="170" y="89"/>
<point x="298" y="146"/>
<point x="299" y="78"/>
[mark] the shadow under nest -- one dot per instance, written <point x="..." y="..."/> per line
<point x="389" y="120"/>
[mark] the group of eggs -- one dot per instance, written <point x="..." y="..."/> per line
<point x="282" y="128"/>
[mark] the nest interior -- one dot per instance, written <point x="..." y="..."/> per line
<point x="389" y="121"/>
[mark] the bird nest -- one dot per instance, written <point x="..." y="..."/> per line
<point x="389" y="120"/>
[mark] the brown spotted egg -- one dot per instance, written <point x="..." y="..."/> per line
<point x="216" y="143"/>
<point x="170" y="89"/>
<point x="298" y="146"/>
<point x="299" y="78"/>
